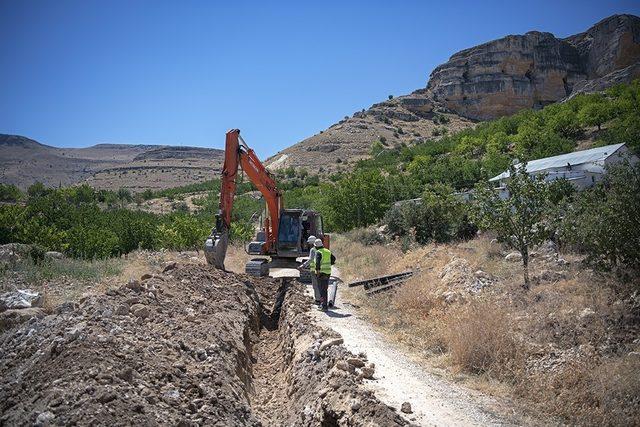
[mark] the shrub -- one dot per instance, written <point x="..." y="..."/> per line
<point x="367" y="236"/>
<point x="479" y="338"/>
<point x="603" y="222"/>
<point x="438" y="216"/>
<point x="9" y="193"/>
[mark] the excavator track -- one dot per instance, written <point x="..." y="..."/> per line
<point x="257" y="267"/>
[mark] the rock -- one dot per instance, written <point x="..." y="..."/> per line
<point x="344" y="366"/>
<point x="368" y="371"/>
<point x="66" y="307"/>
<point x="355" y="405"/>
<point x="146" y="276"/>
<point x="53" y="255"/>
<point x="518" y="72"/>
<point x="122" y="310"/>
<point x="587" y="314"/>
<point x="330" y="342"/>
<point x="44" y="419"/>
<point x="12" y="317"/>
<point x="140" y="310"/>
<point x="134" y="285"/>
<point x="513" y="257"/>
<point x="22" y="298"/>
<point x="170" y="266"/>
<point x="406" y="408"/>
<point x="358" y="363"/>
<point x="449" y="297"/>
<point x="323" y="392"/>
<point x="562" y="261"/>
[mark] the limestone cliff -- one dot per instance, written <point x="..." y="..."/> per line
<point x="532" y="70"/>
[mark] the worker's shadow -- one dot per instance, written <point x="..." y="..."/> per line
<point x="332" y="313"/>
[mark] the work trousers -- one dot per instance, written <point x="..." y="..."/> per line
<point x="323" y="286"/>
<point x="314" y="283"/>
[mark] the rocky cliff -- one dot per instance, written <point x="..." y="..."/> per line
<point x="491" y="80"/>
<point x="503" y="76"/>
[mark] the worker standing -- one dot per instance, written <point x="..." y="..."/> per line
<point x="311" y="264"/>
<point x="324" y="260"/>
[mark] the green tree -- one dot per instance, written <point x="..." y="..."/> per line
<point x="596" y="113"/>
<point x="521" y="220"/>
<point x="9" y="193"/>
<point x="603" y="222"/>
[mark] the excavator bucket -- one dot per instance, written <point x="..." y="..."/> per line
<point x="215" y="249"/>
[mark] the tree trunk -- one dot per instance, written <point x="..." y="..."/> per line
<point x="525" y="267"/>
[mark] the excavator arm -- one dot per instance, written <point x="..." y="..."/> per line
<point x="239" y="155"/>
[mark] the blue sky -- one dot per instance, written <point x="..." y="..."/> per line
<point x="78" y="73"/>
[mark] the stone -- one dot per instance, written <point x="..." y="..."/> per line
<point x="44" y="419"/>
<point x="21" y="298"/>
<point x="122" y="310"/>
<point x="587" y="314"/>
<point x="13" y="317"/>
<point x="140" y="310"/>
<point x="170" y="266"/>
<point x="343" y="365"/>
<point x="513" y="257"/>
<point x="406" y="408"/>
<point x="355" y="405"/>
<point x="66" y="307"/>
<point x="368" y="371"/>
<point x="330" y="342"/>
<point x="146" y="276"/>
<point x="134" y="285"/>
<point x="53" y="255"/>
<point x="358" y="363"/>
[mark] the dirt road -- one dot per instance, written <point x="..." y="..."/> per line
<point x="434" y="401"/>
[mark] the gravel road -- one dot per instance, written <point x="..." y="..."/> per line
<point x="434" y="401"/>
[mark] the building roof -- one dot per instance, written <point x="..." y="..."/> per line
<point x="575" y="158"/>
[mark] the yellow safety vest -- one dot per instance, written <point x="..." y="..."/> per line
<point x="325" y="262"/>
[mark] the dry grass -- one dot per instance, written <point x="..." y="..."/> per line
<point x="568" y="347"/>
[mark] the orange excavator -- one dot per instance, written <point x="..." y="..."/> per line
<point x="283" y="233"/>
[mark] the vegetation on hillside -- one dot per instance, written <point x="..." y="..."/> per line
<point x="83" y="223"/>
<point x="363" y="196"/>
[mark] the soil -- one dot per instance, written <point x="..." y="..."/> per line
<point x="192" y="346"/>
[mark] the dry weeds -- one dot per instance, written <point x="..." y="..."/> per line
<point x="568" y="347"/>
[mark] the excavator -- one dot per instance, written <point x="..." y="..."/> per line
<point x="281" y="238"/>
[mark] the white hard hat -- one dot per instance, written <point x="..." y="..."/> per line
<point x="317" y="243"/>
<point x="311" y="239"/>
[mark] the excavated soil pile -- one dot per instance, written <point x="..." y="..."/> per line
<point x="193" y="346"/>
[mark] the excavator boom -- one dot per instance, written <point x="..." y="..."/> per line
<point x="239" y="155"/>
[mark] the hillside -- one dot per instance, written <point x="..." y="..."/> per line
<point x="24" y="161"/>
<point x="491" y="80"/>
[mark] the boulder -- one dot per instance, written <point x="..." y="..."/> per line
<point x="406" y="408"/>
<point x="21" y="298"/>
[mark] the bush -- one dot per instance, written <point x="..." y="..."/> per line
<point x="438" y="216"/>
<point x="367" y="236"/>
<point x="479" y="338"/>
<point x="603" y="222"/>
<point x="9" y="193"/>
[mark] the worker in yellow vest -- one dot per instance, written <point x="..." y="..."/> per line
<point x="311" y="265"/>
<point x="324" y="261"/>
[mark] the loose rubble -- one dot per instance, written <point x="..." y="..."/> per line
<point x="193" y="346"/>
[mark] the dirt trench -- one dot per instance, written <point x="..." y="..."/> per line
<point x="193" y="346"/>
